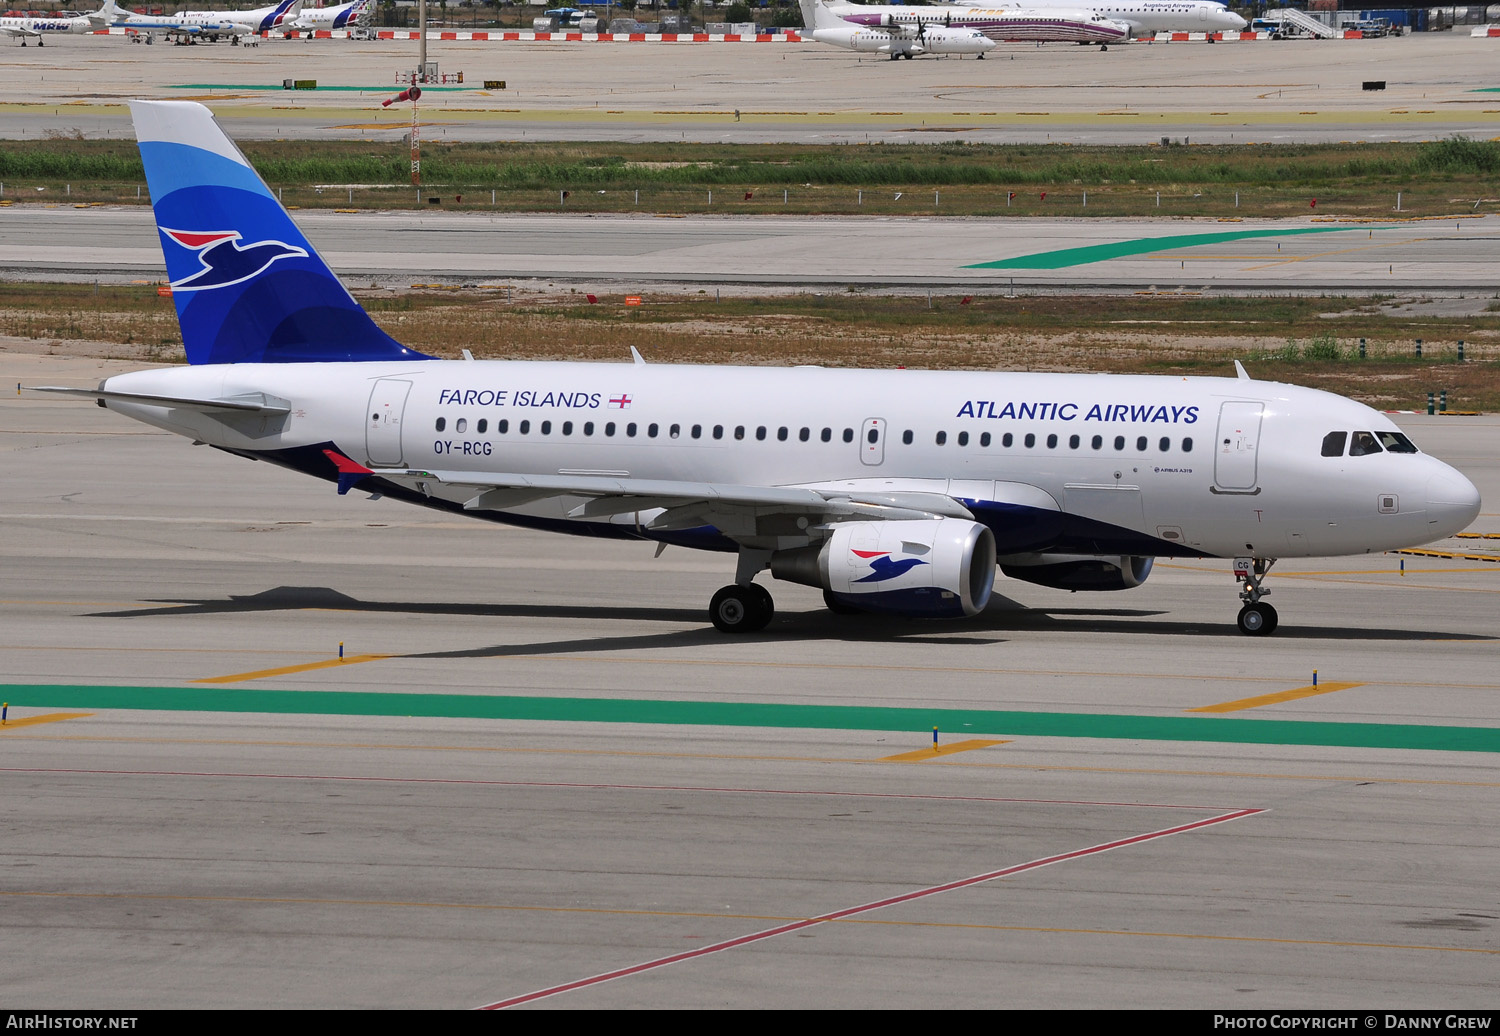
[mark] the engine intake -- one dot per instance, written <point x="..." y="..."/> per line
<point x="938" y="568"/>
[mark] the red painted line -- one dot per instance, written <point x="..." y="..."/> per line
<point x="906" y="897"/>
<point x="602" y="787"/>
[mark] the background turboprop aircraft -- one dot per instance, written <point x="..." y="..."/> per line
<point x="894" y="491"/>
<point x="1052" y="25"/>
<point x="24" y="29"/>
<point x="1147" y="17"/>
<point x="899" y="41"/>
<point x="185" y="26"/>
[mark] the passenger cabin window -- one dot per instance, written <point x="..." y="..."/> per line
<point x="1333" y="444"/>
<point x="502" y="426"/>
<point x="524" y="427"/>
<point x="1187" y="445"/>
<point x="942" y="437"/>
<point x="546" y="427"/>
<point x="461" y="425"/>
<point x="1363" y="443"/>
<point x="848" y="434"/>
<point x="442" y="423"/>
<point x="827" y="435"/>
<point x="984" y="438"/>
<point x="906" y="437"/>
<point x="963" y="438"/>
<point x="481" y="426"/>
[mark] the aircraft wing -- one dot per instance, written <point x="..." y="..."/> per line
<point x="740" y="512"/>
<point x="19" y="31"/>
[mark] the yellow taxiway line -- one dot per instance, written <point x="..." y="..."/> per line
<point x="284" y="670"/>
<point x="1276" y="698"/>
<point x="50" y="717"/>
<point x="922" y="755"/>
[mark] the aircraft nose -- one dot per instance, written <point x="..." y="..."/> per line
<point x="1242" y="23"/>
<point x="1452" y="501"/>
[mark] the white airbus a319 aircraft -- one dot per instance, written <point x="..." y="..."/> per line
<point x="893" y="491"/>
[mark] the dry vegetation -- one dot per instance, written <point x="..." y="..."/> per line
<point x="1311" y="341"/>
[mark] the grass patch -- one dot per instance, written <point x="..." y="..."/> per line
<point x="1306" y="341"/>
<point x="1437" y="177"/>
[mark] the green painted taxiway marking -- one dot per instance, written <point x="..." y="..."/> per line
<point x="317" y="89"/>
<point x="969" y="722"/>
<point x="1136" y="246"/>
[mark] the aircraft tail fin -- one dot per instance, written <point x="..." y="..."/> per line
<point x="248" y="286"/>
<point x="816" y="15"/>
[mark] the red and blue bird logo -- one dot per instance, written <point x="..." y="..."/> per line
<point x="884" y="567"/>
<point x="225" y="261"/>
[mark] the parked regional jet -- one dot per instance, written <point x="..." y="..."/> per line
<point x="187" y="26"/>
<point x="1052" y="25"/>
<point x="1148" y="17"/>
<point x="262" y="19"/>
<point x="24" y="29"/>
<point x="343" y="16"/>
<point x="893" y="491"/>
<point x="898" y="41"/>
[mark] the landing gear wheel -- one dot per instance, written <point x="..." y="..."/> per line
<point x="741" y="609"/>
<point x="837" y="606"/>
<point x="1257" y="620"/>
<point x="765" y="608"/>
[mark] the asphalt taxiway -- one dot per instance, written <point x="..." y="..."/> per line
<point x="401" y="248"/>
<point x="538" y="772"/>
<point x="1435" y="84"/>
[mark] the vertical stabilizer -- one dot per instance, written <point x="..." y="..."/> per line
<point x="248" y="286"/>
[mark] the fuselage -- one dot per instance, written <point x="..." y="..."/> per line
<point x="1146" y="17"/>
<point x="35" y="26"/>
<point x="1095" y="464"/>
<point x="1004" y="24"/>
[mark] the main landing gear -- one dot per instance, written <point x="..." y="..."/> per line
<point x="744" y="606"/>
<point x="1256" y="618"/>
<point x="741" y="609"/>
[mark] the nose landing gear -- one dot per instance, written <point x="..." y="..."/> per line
<point x="1256" y="618"/>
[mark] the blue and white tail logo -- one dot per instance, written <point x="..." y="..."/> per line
<point x="248" y="286"/>
<point x="226" y="261"/>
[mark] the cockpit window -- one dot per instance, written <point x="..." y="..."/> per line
<point x="1395" y="442"/>
<point x="1363" y="443"/>
<point x="1333" y="444"/>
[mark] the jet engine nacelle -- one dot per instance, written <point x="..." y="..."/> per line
<point x="937" y="568"/>
<point x="1079" y="571"/>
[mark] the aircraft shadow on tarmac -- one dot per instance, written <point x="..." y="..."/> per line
<point x="1001" y="617"/>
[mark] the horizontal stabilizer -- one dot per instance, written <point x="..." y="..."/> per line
<point x="250" y="402"/>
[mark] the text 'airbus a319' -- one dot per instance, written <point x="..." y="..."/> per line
<point x="893" y="491"/>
